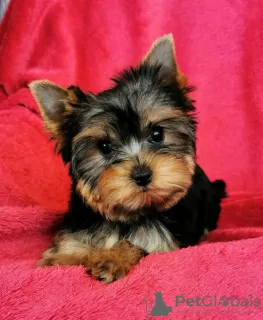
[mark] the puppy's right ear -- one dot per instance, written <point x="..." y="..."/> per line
<point x="55" y="103"/>
<point x="51" y="100"/>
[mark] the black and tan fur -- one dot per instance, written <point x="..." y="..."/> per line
<point x="136" y="187"/>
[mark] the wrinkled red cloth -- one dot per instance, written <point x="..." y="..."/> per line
<point x="219" y="46"/>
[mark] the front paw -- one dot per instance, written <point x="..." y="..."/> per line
<point x="115" y="263"/>
<point x="48" y="258"/>
<point x="52" y="258"/>
<point x="107" y="268"/>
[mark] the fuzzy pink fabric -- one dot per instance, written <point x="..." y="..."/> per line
<point x="220" y="47"/>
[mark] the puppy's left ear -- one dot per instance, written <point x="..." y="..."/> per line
<point x="162" y="53"/>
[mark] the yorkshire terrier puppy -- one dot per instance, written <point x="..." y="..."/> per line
<point x="136" y="187"/>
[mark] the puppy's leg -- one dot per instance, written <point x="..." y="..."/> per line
<point x="65" y="251"/>
<point x="105" y="265"/>
<point x="112" y="264"/>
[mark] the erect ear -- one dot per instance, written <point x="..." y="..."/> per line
<point x="51" y="100"/>
<point x="162" y="53"/>
<point x="54" y="103"/>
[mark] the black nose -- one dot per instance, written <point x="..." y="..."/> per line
<point x="142" y="176"/>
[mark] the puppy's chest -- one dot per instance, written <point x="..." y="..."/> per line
<point x="152" y="237"/>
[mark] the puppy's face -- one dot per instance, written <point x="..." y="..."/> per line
<point x="132" y="147"/>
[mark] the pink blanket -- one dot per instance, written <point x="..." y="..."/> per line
<point x="220" y="47"/>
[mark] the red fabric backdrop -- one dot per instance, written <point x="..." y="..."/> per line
<point x="219" y="47"/>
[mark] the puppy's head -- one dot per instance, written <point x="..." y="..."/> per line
<point x="132" y="147"/>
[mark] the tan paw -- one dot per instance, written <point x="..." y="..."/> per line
<point x="47" y="258"/>
<point x="115" y="263"/>
<point x="52" y="258"/>
<point x="58" y="259"/>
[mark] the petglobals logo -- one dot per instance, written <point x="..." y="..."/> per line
<point x="155" y="305"/>
<point x="213" y="301"/>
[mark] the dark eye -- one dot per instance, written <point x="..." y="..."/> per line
<point x="105" y="146"/>
<point x="157" y="134"/>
